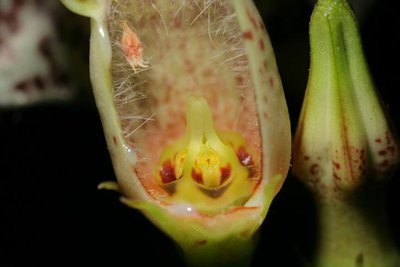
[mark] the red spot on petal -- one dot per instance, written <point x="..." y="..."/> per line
<point x="197" y="177"/>
<point x="167" y="172"/>
<point x="261" y="44"/>
<point x="382" y="153"/>
<point x="336" y="177"/>
<point x="201" y="242"/>
<point x="378" y="140"/>
<point x="314" y="169"/>
<point x="336" y="165"/>
<point x="9" y="17"/>
<point x="22" y="86"/>
<point x="271" y="82"/>
<point x="38" y="82"/>
<point x="225" y="174"/>
<point x="244" y="157"/>
<point x="239" y="80"/>
<point x="392" y="149"/>
<point x="45" y="48"/>
<point x="248" y="35"/>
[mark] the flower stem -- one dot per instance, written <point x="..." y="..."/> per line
<point x="354" y="230"/>
<point x="235" y="251"/>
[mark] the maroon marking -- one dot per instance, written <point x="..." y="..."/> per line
<point x="382" y="153"/>
<point x="362" y="156"/>
<point x="22" y="86"/>
<point x="225" y="174"/>
<point x="114" y="140"/>
<point x="10" y="17"/>
<point x="45" y="48"/>
<point x="306" y="157"/>
<point x="201" y="242"/>
<point x="246" y="233"/>
<point x="197" y="177"/>
<point x="261" y="44"/>
<point x="336" y="177"/>
<point x="271" y="82"/>
<point x="239" y="80"/>
<point x="248" y="35"/>
<point x="244" y="157"/>
<point x="38" y="82"/>
<point x="167" y="172"/>
<point x="391" y="149"/>
<point x="336" y="164"/>
<point x="314" y="169"/>
<point x="170" y="188"/>
<point x="378" y="140"/>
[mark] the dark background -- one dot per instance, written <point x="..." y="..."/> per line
<point x="52" y="157"/>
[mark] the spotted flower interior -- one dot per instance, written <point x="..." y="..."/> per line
<point x="183" y="89"/>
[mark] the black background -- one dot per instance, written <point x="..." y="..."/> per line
<point x="53" y="156"/>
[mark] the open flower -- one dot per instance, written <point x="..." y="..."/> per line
<point x="194" y="115"/>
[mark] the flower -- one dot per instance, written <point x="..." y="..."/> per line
<point x="194" y="116"/>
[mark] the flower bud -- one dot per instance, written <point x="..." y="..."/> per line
<point x="343" y="136"/>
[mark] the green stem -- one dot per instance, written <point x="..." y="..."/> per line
<point x="354" y="231"/>
<point x="233" y="252"/>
